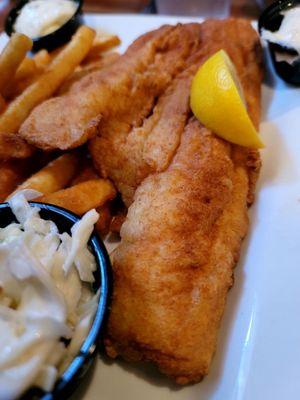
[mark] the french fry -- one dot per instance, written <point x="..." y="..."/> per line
<point x="94" y="55"/>
<point x="25" y="75"/>
<point x="2" y="103"/>
<point x="28" y="72"/>
<point x="103" y="42"/>
<point x="16" y="87"/>
<point x="103" y="223"/>
<point x="54" y="53"/>
<point x="42" y="59"/>
<point x="12" y="146"/>
<point x="82" y="197"/>
<point x="55" y="176"/>
<point x="106" y="59"/>
<point x="12" y="56"/>
<point x="61" y="67"/>
<point x="27" y="68"/>
<point x="86" y="173"/>
<point x="11" y="174"/>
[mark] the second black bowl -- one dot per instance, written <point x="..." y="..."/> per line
<point x="271" y="20"/>
<point x="53" y="40"/>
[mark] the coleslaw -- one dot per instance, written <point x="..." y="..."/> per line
<point x="45" y="295"/>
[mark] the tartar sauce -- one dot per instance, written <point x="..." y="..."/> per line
<point x="45" y="295"/>
<point x="288" y="34"/>
<point x="41" y="17"/>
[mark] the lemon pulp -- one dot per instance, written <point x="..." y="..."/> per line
<point x="217" y="101"/>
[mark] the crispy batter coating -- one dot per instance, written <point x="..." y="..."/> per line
<point x="183" y="232"/>
<point x="103" y="61"/>
<point x="123" y="94"/>
<point x="174" y="265"/>
<point x="128" y="154"/>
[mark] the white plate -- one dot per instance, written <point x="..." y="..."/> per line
<point x="259" y="342"/>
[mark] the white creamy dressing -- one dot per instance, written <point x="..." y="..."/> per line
<point x="45" y="294"/>
<point x="288" y="34"/>
<point x="41" y="17"/>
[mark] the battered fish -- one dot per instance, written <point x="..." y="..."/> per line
<point x="128" y="154"/>
<point x="183" y="231"/>
<point x="122" y="95"/>
<point x="173" y="267"/>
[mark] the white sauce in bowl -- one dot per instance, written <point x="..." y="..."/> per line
<point x="45" y="295"/>
<point x="40" y="17"/>
<point x="288" y="34"/>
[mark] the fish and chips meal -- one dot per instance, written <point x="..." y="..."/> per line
<point x="89" y="128"/>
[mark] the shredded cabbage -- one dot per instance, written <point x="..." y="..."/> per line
<point x="44" y="288"/>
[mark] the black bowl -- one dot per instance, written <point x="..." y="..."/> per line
<point x="54" y="39"/>
<point x="271" y="20"/>
<point x="74" y="374"/>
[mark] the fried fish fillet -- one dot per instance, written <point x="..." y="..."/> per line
<point x="128" y="154"/>
<point x="173" y="267"/>
<point x="184" y="228"/>
<point x="123" y="94"/>
<point x="102" y="62"/>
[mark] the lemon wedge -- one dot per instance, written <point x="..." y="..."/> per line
<point x="217" y="101"/>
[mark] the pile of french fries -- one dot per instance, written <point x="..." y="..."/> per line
<point x="65" y="179"/>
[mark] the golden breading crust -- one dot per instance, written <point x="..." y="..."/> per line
<point x="123" y="94"/>
<point x="174" y="266"/>
<point x="127" y="151"/>
<point x="184" y="228"/>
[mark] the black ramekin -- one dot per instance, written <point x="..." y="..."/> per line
<point x="271" y="20"/>
<point x="53" y="40"/>
<point x="76" y="371"/>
